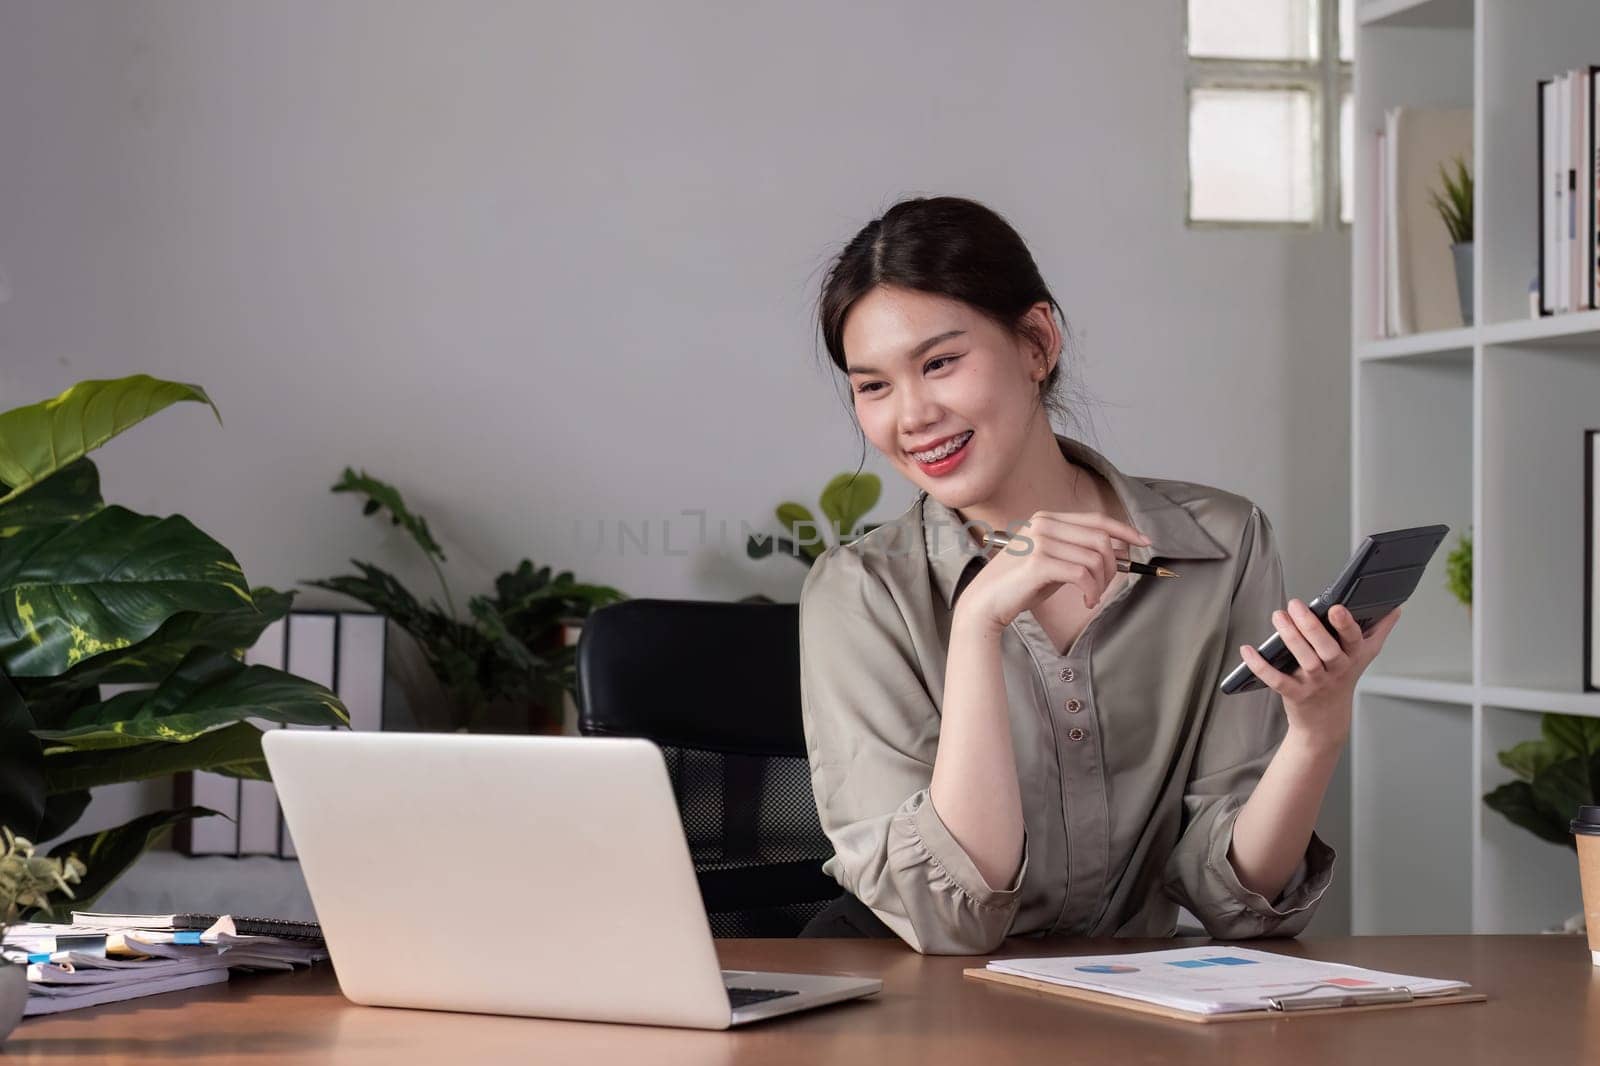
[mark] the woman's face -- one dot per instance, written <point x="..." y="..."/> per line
<point x="927" y="371"/>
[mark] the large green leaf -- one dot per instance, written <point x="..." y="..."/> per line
<point x="234" y="750"/>
<point x="384" y="593"/>
<point x="70" y="493"/>
<point x="51" y="710"/>
<point x="42" y="438"/>
<point x="800" y="523"/>
<point x="792" y="515"/>
<point x="21" y="765"/>
<point x="494" y="627"/>
<point x="1562" y="787"/>
<point x="1571" y="734"/>
<point x="62" y="811"/>
<point x="71" y="592"/>
<point x="109" y="853"/>
<point x="1529" y="758"/>
<point x="848" y="498"/>
<point x="233" y="630"/>
<point x="383" y="496"/>
<point x="209" y="688"/>
<point x="1516" y="801"/>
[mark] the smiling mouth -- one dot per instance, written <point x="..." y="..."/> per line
<point x="943" y="451"/>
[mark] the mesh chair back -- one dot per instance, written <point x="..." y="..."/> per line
<point x="717" y="687"/>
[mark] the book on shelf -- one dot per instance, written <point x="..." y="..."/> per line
<point x="1377" y="237"/>
<point x="1415" y="267"/>
<point x="1569" y="191"/>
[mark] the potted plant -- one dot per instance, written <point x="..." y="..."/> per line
<point x="1556" y="774"/>
<point x="508" y="666"/>
<point x="1458" y="570"/>
<point x="27" y="882"/>
<point x="97" y="593"/>
<point x="844" y="502"/>
<point x="1453" y="201"/>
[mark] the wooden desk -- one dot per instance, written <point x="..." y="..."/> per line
<point x="1544" y="1008"/>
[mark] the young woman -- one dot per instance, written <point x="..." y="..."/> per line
<point x="1023" y="739"/>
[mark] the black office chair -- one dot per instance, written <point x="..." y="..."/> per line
<point x="717" y="687"/>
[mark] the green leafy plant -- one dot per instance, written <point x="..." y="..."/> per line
<point x="510" y="653"/>
<point x="92" y="594"/>
<point x="1458" y="568"/>
<point x="1453" y="200"/>
<point x="1556" y="774"/>
<point x="844" y="502"/>
<point x="29" y="882"/>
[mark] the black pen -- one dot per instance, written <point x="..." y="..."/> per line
<point x="996" y="538"/>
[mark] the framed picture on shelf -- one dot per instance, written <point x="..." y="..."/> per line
<point x="1591" y="555"/>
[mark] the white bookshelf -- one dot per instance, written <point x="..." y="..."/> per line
<point x="1479" y="427"/>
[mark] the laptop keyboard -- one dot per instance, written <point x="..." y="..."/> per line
<point x="745" y="997"/>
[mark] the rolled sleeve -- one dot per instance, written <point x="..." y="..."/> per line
<point x="872" y="732"/>
<point x="1240" y="734"/>
<point x="1206" y="882"/>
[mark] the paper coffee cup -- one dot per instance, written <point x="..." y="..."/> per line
<point x="1586" y="828"/>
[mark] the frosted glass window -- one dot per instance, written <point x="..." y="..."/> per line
<point x="1347" y="30"/>
<point x="1347" y="159"/>
<point x="1253" y="29"/>
<point x="1250" y="155"/>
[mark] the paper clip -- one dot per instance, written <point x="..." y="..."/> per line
<point x="1344" y="998"/>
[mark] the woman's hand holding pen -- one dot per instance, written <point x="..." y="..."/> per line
<point x="1317" y="698"/>
<point x="1060" y="548"/>
<point x="975" y="788"/>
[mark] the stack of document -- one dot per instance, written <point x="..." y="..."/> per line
<point x="1225" y="979"/>
<point x="72" y="966"/>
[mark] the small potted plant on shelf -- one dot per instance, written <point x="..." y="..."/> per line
<point x="1458" y="570"/>
<point x="27" y="883"/>
<point x="1453" y="201"/>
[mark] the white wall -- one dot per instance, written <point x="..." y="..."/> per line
<point x="534" y="262"/>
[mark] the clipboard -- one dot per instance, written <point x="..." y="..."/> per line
<point x="1354" y="1001"/>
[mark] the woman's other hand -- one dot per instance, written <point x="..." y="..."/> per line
<point x="1317" y="697"/>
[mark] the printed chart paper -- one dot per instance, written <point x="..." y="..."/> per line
<point x="1213" y="980"/>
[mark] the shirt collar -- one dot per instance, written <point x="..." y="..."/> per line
<point x="1173" y="531"/>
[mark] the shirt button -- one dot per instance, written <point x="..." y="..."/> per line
<point x="1073" y="706"/>
<point x="1077" y="734"/>
<point x="1067" y="674"/>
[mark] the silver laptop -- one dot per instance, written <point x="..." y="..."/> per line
<point x="543" y="876"/>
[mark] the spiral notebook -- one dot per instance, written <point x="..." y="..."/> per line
<point x="1223" y="983"/>
<point x="278" y="927"/>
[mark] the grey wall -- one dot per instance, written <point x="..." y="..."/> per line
<point x="538" y="262"/>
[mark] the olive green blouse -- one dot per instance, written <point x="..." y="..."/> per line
<point x="1132" y="765"/>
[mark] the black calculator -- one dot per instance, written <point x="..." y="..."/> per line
<point x="1381" y="574"/>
